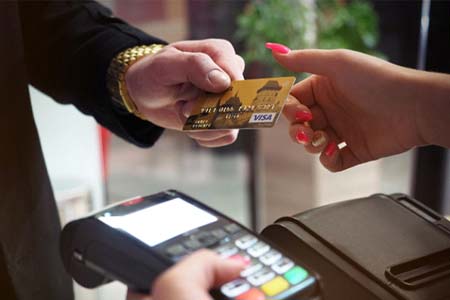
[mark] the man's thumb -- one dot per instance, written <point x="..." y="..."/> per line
<point x="204" y="73"/>
<point x="226" y="270"/>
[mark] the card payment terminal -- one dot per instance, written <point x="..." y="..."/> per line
<point x="136" y="240"/>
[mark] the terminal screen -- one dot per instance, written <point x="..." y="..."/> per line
<point x="158" y="223"/>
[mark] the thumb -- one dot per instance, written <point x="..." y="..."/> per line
<point x="211" y="269"/>
<point x="198" y="69"/>
<point x="314" y="61"/>
<point x="195" y="275"/>
<point x="225" y="270"/>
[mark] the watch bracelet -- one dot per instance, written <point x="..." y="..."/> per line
<point x="117" y="69"/>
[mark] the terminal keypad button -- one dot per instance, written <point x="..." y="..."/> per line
<point x="252" y="294"/>
<point x="251" y="269"/>
<point x="261" y="277"/>
<point x="192" y="244"/>
<point x="258" y="249"/>
<point x="176" y="250"/>
<point x="267" y="274"/>
<point x="244" y="259"/>
<point x="275" y="286"/>
<point x="283" y="265"/>
<point x="270" y="257"/>
<point x="246" y="241"/>
<point x="227" y="250"/>
<point x="235" y="288"/>
<point x="219" y="233"/>
<point x="232" y="228"/>
<point x="296" y="275"/>
<point x="206" y="239"/>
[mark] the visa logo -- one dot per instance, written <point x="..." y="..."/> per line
<point x="262" y="118"/>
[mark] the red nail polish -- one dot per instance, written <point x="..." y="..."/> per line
<point x="301" y="137"/>
<point x="278" y="48"/>
<point x="245" y="260"/>
<point x="303" y="116"/>
<point x="330" y="149"/>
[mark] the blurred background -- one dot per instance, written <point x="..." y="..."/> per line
<point x="263" y="176"/>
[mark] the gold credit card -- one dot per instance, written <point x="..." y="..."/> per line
<point x="254" y="103"/>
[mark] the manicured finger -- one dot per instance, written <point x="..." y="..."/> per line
<point x="319" y="121"/>
<point x="301" y="134"/>
<point x="307" y="91"/>
<point x="296" y="112"/>
<point x="322" y="62"/>
<point x="335" y="159"/>
<point x="319" y="141"/>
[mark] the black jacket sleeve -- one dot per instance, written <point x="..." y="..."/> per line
<point x="68" y="48"/>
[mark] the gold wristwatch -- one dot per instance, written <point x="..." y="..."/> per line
<point x="115" y="80"/>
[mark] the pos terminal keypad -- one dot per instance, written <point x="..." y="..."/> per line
<point x="268" y="275"/>
<point x="138" y="239"/>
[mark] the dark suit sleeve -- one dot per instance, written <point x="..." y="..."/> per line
<point x="68" y="48"/>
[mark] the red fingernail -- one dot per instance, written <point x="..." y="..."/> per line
<point x="278" y="48"/>
<point x="301" y="137"/>
<point x="245" y="260"/>
<point x="303" y="116"/>
<point x="330" y="149"/>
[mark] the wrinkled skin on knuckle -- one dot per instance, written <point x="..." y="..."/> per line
<point x="225" y="44"/>
<point x="197" y="59"/>
<point x="218" y="47"/>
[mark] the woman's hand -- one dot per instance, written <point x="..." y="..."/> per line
<point x="368" y="103"/>
<point x="193" y="277"/>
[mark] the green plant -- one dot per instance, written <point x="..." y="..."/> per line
<point x="326" y="24"/>
<point x="280" y="21"/>
<point x="351" y="26"/>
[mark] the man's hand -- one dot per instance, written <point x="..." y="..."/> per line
<point x="193" y="277"/>
<point x="164" y="86"/>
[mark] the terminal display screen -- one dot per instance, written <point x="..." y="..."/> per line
<point x="160" y="222"/>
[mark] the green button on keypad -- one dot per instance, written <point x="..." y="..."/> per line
<point x="295" y="275"/>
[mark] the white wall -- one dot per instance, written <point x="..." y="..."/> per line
<point x="388" y="175"/>
<point x="71" y="146"/>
